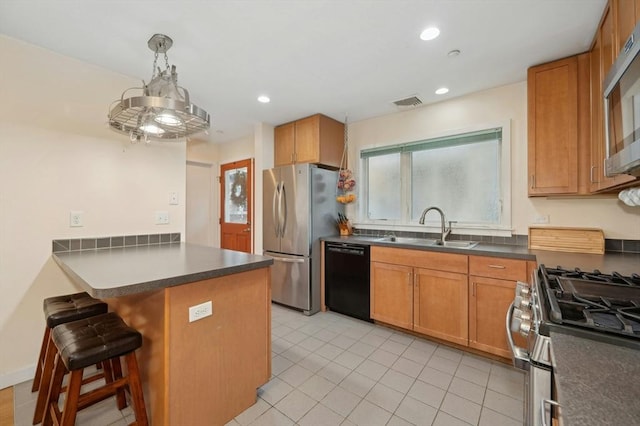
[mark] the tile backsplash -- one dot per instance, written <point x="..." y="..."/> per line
<point x="76" y="244"/>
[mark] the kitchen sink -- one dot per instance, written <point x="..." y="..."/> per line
<point x="407" y="240"/>
<point x="427" y="242"/>
<point x="460" y="244"/>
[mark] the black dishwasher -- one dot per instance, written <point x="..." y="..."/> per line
<point x="346" y="279"/>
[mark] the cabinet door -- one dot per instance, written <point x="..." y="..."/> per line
<point x="284" y="143"/>
<point x="307" y="140"/>
<point x="625" y="22"/>
<point x="392" y="294"/>
<point x="553" y="127"/>
<point x="440" y="305"/>
<point x="489" y="300"/>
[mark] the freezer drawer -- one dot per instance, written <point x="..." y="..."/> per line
<point x="290" y="280"/>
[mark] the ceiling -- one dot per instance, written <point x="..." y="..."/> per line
<point x="337" y="57"/>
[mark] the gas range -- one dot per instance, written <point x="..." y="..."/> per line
<point x="604" y="307"/>
<point x="592" y="305"/>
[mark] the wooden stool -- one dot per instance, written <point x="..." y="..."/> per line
<point x="59" y="310"/>
<point x="100" y="339"/>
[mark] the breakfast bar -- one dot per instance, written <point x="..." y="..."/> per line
<point x="201" y="365"/>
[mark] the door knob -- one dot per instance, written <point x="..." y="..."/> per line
<point x="246" y="230"/>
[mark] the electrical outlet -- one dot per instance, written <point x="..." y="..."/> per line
<point x="173" y="198"/>
<point x="162" y="217"/>
<point x="542" y="218"/>
<point x="200" y="311"/>
<point x="75" y="219"/>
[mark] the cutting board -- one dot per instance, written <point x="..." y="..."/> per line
<point x="575" y="240"/>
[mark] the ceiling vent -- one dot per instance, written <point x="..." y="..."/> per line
<point x="407" y="103"/>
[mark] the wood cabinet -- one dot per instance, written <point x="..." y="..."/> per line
<point x="421" y="291"/>
<point x="440" y="305"/>
<point x="610" y="36"/>
<point x="316" y="139"/>
<point x="492" y="283"/>
<point x="559" y="127"/>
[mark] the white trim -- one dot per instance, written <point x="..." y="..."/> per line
<point x="17" y="377"/>
<point x="502" y="229"/>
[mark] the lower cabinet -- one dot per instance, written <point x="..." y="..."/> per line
<point x="492" y="288"/>
<point x="440" y="305"/>
<point x="457" y="298"/>
<point x="407" y="293"/>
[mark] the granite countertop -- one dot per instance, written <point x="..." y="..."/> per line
<point x="597" y="382"/>
<point x="114" y="272"/>
<point x="624" y="263"/>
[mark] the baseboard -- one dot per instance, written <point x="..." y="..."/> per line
<point x="15" y="377"/>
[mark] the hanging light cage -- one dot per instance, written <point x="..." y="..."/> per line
<point x="163" y="111"/>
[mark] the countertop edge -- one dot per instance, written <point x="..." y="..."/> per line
<point x="141" y="286"/>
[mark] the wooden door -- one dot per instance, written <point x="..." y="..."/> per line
<point x="440" y="305"/>
<point x="392" y="294"/>
<point x="307" y="140"/>
<point x="489" y="300"/>
<point x="236" y="210"/>
<point x="553" y="127"/>
<point x="284" y="144"/>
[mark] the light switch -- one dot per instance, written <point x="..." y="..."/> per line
<point x="162" y="217"/>
<point x="173" y="198"/>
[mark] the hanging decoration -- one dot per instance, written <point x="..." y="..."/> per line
<point x="346" y="180"/>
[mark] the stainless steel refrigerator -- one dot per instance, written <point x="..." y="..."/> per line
<point x="299" y="208"/>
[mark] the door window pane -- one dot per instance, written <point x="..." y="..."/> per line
<point x="235" y="207"/>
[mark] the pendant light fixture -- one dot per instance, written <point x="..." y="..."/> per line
<point x="163" y="111"/>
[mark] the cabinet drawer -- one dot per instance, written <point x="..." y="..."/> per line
<point x="449" y="262"/>
<point x="498" y="267"/>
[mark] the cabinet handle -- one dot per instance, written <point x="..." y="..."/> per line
<point x="473" y="289"/>
<point x="292" y="160"/>
<point x="533" y="181"/>
<point x="497" y="266"/>
<point x="591" y="174"/>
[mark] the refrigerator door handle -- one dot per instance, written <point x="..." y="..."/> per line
<point x="286" y="259"/>
<point x="276" y="220"/>
<point x="283" y="211"/>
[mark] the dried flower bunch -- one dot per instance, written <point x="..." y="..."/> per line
<point x="346" y="183"/>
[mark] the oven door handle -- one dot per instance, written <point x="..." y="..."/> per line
<point x="543" y="411"/>
<point x="520" y="356"/>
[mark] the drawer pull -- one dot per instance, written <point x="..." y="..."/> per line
<point x="497" y="266"/>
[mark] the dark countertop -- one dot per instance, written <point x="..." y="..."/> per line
<point x="597" y="383"/>
<point x="114" y="272"/>
<point x="624" y="263"/>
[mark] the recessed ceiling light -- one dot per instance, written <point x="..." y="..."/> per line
<point x="264" y="99"/>
<point x="429" y="33"/>
<point x="442" y="91"/>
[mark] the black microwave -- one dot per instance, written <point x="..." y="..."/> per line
<point x="622" y="110"/>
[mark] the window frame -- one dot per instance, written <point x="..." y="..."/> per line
<point x="504" y="228"/>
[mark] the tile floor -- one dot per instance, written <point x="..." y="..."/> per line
<point x="329" y="369"/>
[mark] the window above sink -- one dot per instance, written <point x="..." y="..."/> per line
<point x="467" y="174"/>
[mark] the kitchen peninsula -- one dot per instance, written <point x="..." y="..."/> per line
<point x="201" y="372"/>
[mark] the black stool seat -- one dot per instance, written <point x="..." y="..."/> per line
<point x="71" y="307"/>
<point x="91" y="340"/>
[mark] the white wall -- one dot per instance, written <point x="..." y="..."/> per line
<point x="57" y="154"/>
<point x="489" y="108"/>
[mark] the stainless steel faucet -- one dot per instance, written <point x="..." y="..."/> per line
<point x="444" y="231"/>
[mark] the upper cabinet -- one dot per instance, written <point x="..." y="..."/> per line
<point x="316" y="139"/>
<point x="566" y="146"/>
<point x="613" y="32"/>
<point x="558" y="126"/>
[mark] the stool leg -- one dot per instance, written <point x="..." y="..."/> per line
<point x="41" y="357"/>
<point x="71" y="399"/>
<point x="53" y="394"/>
<point x="135" y="387"/>
<point x="116" y="368"/>
<point x="45" y="379"/>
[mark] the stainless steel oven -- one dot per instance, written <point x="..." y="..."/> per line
<point x="593" y="305"/>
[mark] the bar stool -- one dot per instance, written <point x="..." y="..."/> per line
<point x="59" y="310"/>
<point x="99" y="339"/>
